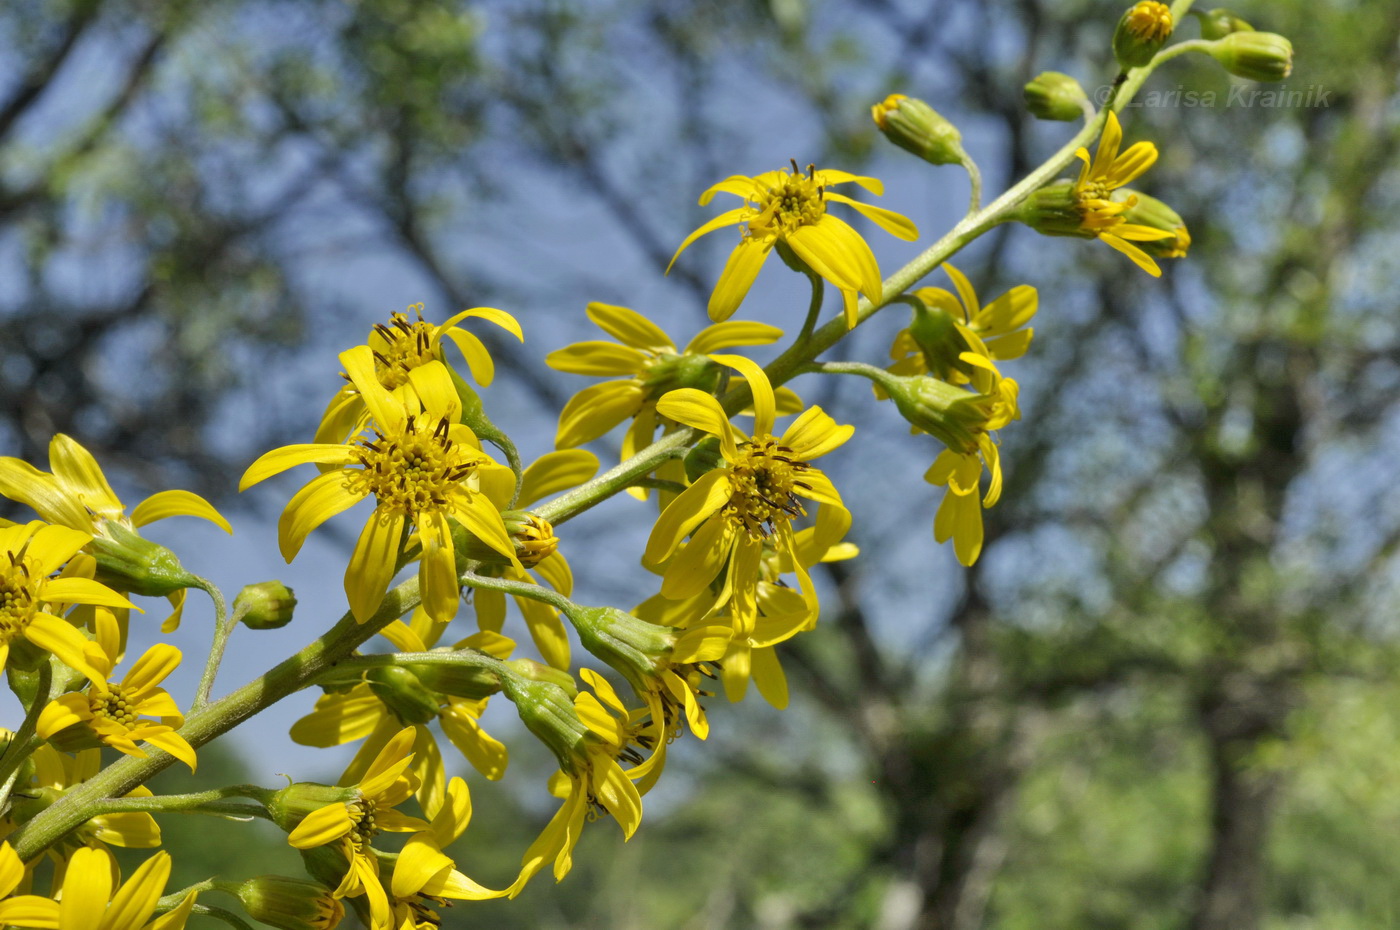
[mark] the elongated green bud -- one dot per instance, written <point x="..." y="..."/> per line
<point x="1054" y="211"/>
<point x="547" y="711"/>
<point x="1220" y="22"/>
<point x="289" y="903"/>
<point x="1257" y="56"/>
<point x="126" y="561"/>
<point x="404" y="694"/>
<point x="464" y="680"/>
<point x="289" y="806"/>
<point x="1150" y="212"/>
<point x="1055" y="96"/>
<point x="917" y="127"/>
<point x="953" y="415"/>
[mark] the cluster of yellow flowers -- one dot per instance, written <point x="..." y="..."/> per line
<point x="741" y="517"/>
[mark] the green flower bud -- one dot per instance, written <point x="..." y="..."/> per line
<point x="681" y="371"/>
<point x="1220" y="22"/>
<point x="938" y="337"/>
<point x="404" y="694"/>
<point x="1141" y="33"/>
<point x="289" y="903"/>
<point x="1257" y="56"/>
<point x="635" y="648"/>
<point x="532" y="536"/>
<point x="1151" y="212"/>
<point x="954" y="415"/>
<point x="917" y="127"/>
<point x="290" y="805"/>
<point x="1056" y="96"/>
<point x="128" y="562"/>
<point x="705" y="457"/>
<point x="547" y="711"/>
<point x="538" y="671"/>
<point x="267" y="605"/>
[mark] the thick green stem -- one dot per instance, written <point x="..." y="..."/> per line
<point x="23" y="743"/>
<point x="519" y="589"/>
<point x="223" y="628"/>
<point x="212" y="720"/>
<point x="200" y="802"/>
<point x="814" y="306"/>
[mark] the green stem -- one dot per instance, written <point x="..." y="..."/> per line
<point x="458" y="658"/>
<point x="814" y="306"/>
<point x="212" y="720"/>
<point x="878" y="375"/>
<point x="223" y="628"/>
<point x="520" y="589"/>
<point x="171" y="900"/>
<point x="23" y="743"/>
<point x="200" y="802"/>
<point x="219" y="913"/>
<point x="974" y="177"/>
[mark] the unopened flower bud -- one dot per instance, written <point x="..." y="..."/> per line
<point x="289" y="903"/>
<point x="1141" y="33"/>
<point x="937" y="335"/>
<point x="128" y="562"/>
<point x="538" y="671"/>
<point x="1220" y="22"/>
<point x="917" y="127"/>
<point x="267" y="605"/>
<point x="532" y="536"/>
<point x="404" y="694"/>
<point x="1153" y="213"/>
<point x="1257" y="56"/>
<point x="289" y="806"/>
<point x="673" y="372"/>
<point x="464" y="680"/>
<point x="1052" y="95"/>
<point x="635" y="648"/>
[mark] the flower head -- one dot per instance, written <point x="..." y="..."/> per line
<point x="351" y="824"/>
<point x="423" y="470"/>
<point x="946" y="326"/>
<point x="32" y="601"/>
<point x="77" y="495"/>
<point x="409" y="361"/>
<point x="93" y="897"/>
<point x="424" y="875"/>
<point x="112" y="713"/>
<point x="790" y="208"/>
<point x="1099" y="214"/>
<point x="729" y="512"/>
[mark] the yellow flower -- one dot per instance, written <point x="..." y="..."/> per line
<point x="1099" y="178"/>
<point x="370" y="709"/>
<point x="590" y="779"/>
<point x="936" y="338"/>
<point x="111" y="711"/>
<point x="29" y="598"/>
<point x="1149" y="21"/>
<point x="424" y="875"/>
<point x="408" y="361"/>
<point x="729" y="512"/>
<point x="89" y="901"/>
<point x="653" y="365"/>
<point x="422" y="469"/>
<point x="56" y="773"/>
<point x="352" y="824"/>
<point x="789" y="208"/>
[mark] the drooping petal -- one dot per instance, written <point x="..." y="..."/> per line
<point x="709" y="493"/>
<point x="555" y="472"/>
<point x="768" y="675"/>
<point x="764" y="404"/>
<point x="486" y="754"/>
<point x="598" y="359"/>
<point x="739" y="272"/>
<point x="437" y="568"/>
<point x="87" y="887"/>
<point x="896" y="224"/>
<point x="340" y="718"/>
<point x="547" y="631"/>
<point x="475" y="353"/>
<point x="596" y="409"/>
<point x="135" y="900"/>
<point x="729" y="333"/>
<point x="177" y="504"/>
<point x="692" y="570"/>
<point x="697" y="409"/>
<point x="372" y="565"/>
<point x="728" y="218"/>
<point x="500" y="317"/>
<point x="1139" y="257"/>
<point x="279" y="460"/>
<point x="323" y="497"/>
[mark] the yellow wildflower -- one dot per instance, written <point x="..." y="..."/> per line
<point x="352" y="824"/>
<point x="936" y="338"/>
<point x="424" y="875"/>
<point x="729" y="512"/>
<point x="789" y="208"/>
<point x="1099" y="178"/>
<point x="89" y="900"/>
<point x="422" y="469"/>
<point x="56" y="773"/>
<point x="409" y="361"/>
<point x="29" y="554"/>
<point x="112" y="712"/>
<point x="78" y="496"/>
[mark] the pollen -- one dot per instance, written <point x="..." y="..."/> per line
<point x="114" y="705"/>
<point x="365" y="828"/>
<point x="415" y="470"/>
<point x="404" y="345"/>
<point x="1150" y="21"/>
<point x="765" y="479"/>
<point x="796" y="201"/>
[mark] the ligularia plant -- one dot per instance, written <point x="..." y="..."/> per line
<point x="741" y="514"/>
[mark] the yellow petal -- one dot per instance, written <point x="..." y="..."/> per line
<point x="20" y="481"/>
<point x="175" y="744"/>
<point x="596" y="409"/>
<point x="339" y="718"/>
<point x="597" y="358"/>
<point x="556" y="573"/>
<point x="437" y="568"/>
<point x="763" y="403"/>
<point x="486" y="754"/>
<point x="279" y="460"/>
<point x="29" y="910"/>
<point x="435" y="389"/>
<point x="700" y="410"/>
<point x="768" y="675"/>
<point x="555" y="472"/>
<point x="82" y="591"/>
<point x="729" y="333"/>
<point x="386" y="410"/>
<point x="692" y="570"/>
<point x="814" y="434"/>
<point x="151" y="669"/>
<point x="896" y="224"/>
<point x="323" y="497"/>
<point x="728" y="218"/>
<point x="78" y="472"/>
<point x="134" y="902"/>
<point x="547" y="631"/>
<point x="1139" y="257"/>
<point x="175" y="918"/>
<point x="475" y="353"/>
<point x="500" y="317"/>
<point x="64" y="711"/>
<point x="54" y="635"/>
<point x="629" y="327"/>
<point x="321" y="826"/>
<point x="740" y="270"/>
<point x="695" y="505"/>
<point x="371" y="565"/>
<point x="484" y="522"/>
<point x="177" y="504"/>
<point x="87" y="887"/>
